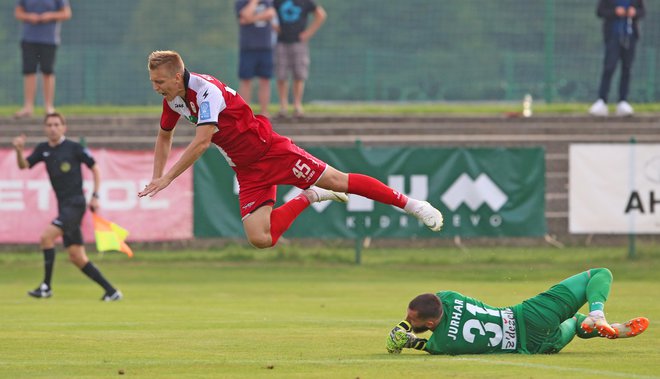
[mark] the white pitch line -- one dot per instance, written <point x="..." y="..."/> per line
<point x="559" y="368"/>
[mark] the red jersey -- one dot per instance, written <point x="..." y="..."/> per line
<point x="241" y="137"/>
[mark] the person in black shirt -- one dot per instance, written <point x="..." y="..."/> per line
<point x="63" y="160"/>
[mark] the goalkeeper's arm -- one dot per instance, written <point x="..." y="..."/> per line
<point x="401" y="337"/>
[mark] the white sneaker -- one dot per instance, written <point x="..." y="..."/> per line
<point x="430" y="216"/>
<point x="599" y="109"/>
<point x="324" y="194"/>
<point x="624" y="109"/>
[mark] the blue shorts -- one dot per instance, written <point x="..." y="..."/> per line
<point x="253" y="63"/>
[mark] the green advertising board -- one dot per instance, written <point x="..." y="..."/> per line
<point x="482" y="192"/>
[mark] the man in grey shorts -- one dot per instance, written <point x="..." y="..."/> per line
<point x="292" y="50"/>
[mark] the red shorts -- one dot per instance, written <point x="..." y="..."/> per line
<point x="284" y="163"/>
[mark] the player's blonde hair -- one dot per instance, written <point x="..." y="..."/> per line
<point x="169" y="58"/>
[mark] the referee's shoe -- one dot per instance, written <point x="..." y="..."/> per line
<point x="115" y="296"/>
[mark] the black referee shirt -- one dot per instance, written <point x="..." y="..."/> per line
<point x="63" y="164"/>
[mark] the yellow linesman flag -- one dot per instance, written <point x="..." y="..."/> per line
<point x="110" y="236"/>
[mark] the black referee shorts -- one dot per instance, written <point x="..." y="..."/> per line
<point x="38" y="54"/>
<point x="71" y="212"/>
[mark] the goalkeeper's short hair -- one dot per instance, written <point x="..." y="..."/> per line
<point x="427" y="306"/>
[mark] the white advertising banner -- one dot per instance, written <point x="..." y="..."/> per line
<point x="614" y="188"/>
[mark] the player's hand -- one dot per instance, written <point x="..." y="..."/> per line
<point x="415" y="343"/>
<point x="93" y="204"/>
<point x="19" y="142"/>
<point x="154" y="187"/>
<point x="398" y="337"/>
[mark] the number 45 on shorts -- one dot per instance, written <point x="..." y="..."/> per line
<point x="302" y="171"/>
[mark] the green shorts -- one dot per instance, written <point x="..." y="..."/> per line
<point x="544" y="313"/>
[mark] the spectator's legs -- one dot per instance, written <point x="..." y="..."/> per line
<point x="29" y="92"/>
<point x="283" y="91"/>
<point x="627" y="57"/>
<point x="610" y="61"/>
<point x="49" y="93"/>
<point x="264" y="95"/>
<point x="245" y="90"/>
<point x="298" y="91"/>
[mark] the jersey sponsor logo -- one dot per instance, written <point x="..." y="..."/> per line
<point x="508" y="329"/>
<point x="178" y="105"/>
<point x="192" y="107"/>
<point x="204" y="111"/>
<point x="46" y="154"/>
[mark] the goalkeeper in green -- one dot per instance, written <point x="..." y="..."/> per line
<point x="543" y="324"/>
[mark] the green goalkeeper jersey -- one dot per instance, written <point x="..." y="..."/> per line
<point x="468" y="326"/>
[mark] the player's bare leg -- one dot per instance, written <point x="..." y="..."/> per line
<point x="266" y="225"/>
<point x="77" y="255"/>
<point x="257" y="227"/>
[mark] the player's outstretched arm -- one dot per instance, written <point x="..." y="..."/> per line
<point x="195" y="149"/>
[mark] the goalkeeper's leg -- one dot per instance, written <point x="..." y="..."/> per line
<point x="593" y="287"/>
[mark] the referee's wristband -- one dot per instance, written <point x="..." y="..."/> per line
<point x="95" y="195"/>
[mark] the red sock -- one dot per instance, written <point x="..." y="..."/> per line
<point x="374" y="189"/>
<point x="281" y="218"/>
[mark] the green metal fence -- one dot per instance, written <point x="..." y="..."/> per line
<point x="368" y="50"/>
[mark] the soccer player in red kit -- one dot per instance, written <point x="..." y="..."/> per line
<point x="261" y="158"/>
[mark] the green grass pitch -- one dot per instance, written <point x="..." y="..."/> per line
<point x="301" y="312"/>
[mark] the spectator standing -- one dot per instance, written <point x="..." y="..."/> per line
<point x="292" y="50"/>
<point x="256" y="49"/>
<point x="620" y="34"/>
<point x="39" y="40"/>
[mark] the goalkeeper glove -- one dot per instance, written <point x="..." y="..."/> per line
<point x="415" y="343"/>
<point x="401" y="336"/>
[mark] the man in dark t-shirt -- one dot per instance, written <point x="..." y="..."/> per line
<point x="63" y="159"/>
<point x="256" y="49"/>
<point x="292" y="51"/>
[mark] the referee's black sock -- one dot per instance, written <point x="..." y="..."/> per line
<point x="90" y="270"/>
<point x="49" y="261"/>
